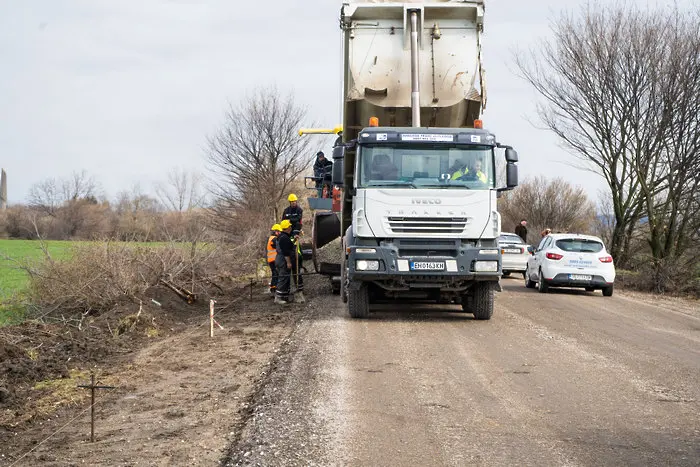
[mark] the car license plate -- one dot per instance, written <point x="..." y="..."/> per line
<point x="512" y="250"/>
<point x="579" y="277"/>
<point x="427" y="265"/>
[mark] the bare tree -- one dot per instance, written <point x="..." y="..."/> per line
<point x="46" y="196"/>
<point x="79" y="185"/>
<point x="590" y="91"/>
<point x="554" y="204"/>
<point x="257" y="153"/>
<point x="620" y="89"/>
<point x="182" y="191"/>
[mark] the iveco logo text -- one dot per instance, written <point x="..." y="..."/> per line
<point x="426" y="201"/>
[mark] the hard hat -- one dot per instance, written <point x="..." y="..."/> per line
<point x="276" y="228"/>
<point x="285" y="224"/>
<point x="292" y="197"/>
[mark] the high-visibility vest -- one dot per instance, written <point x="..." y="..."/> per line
<point x="271" y="249"/>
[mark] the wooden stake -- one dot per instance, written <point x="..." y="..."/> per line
<point x="92" y="388"/>
<point x="211" y="318"/>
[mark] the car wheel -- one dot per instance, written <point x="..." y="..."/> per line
<point x="590" y="289"/>
<point x="608" y="291"/>
<point x="542" y="286"/>
<point x="528" y="283"/>
<point x="506" y="273"/>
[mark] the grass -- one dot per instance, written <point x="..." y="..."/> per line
<point x="13" y="279"/>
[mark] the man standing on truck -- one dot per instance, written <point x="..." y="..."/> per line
<point x="272" y="256"/>
<point x="322" y="172"/>
<point x="521" y="230"/>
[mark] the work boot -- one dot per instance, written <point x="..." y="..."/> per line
<point x="281" y="301"/>
<point x="299" y="297"/>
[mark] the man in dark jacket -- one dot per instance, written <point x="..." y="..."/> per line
<point x="287" y="267"/>
<point x="323" y="170"/>
<point x="293" y="213"/>
<point x="286" y="250"/>
<point x="521" y="230"/>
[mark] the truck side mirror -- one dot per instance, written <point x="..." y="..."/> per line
<point x="511" y="174"/>
<point x="338" y="163"/>
<point x="511" y="155"/>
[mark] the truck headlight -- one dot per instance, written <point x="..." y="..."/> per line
<point x="367" y="265"/>
<point x="486" y="266"/>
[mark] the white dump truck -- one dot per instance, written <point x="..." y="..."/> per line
<point x="416" y="169"/>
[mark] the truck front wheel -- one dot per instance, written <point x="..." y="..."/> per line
<point x="482" y="301"/>
<point x="358" y="301"/>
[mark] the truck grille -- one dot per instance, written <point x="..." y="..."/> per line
<point x="427" y="225"/>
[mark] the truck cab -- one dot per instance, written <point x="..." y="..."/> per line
<point x="424" y="223"/>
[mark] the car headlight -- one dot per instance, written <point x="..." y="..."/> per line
<point x="486" y="266"/>
<point x="367" y="265"/>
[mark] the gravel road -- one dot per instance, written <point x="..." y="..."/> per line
<point x="566" y="378"/>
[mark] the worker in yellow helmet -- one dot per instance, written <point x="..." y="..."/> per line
<point x="272" y="256"/>
<point x="293" y="213"/>
<point x="287" y="263"/>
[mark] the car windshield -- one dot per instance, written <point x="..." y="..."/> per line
<point x="579" y="245"/>
<point x="425" y="165"/>
<point x="510" y="239"/>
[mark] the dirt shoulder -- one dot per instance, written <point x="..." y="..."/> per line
<point x="181" y="397"/>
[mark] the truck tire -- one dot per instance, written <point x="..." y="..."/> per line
<point x="542" y="286"/>
<point x="343" y="282"/>
<point x="358" y="302"/>
<point x="482" y="301"/>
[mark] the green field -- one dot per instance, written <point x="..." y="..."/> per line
<point x="13" y="280"/>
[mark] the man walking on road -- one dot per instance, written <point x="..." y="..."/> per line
<point x="521" y="230"/>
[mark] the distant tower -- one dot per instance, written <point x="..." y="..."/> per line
<point x="3" y="191"/>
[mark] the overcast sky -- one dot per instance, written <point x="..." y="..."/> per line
<point x="127" y="90"/>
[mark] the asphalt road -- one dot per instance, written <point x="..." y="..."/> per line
<point x="566" y="378"/>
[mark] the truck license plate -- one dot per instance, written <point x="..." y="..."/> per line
<point x="427" y="265"/>
<point x="579" y="277"/>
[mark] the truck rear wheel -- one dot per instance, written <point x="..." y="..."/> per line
<point x="482" y="301"/>
<point x="358" y="302"/>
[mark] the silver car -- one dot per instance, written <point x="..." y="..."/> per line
<point x="514" y="254"/>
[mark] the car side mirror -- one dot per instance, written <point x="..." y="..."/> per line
<point x="531" y="250"/>
<point x="338" y="165"/>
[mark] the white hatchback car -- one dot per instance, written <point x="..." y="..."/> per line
<point x="514" y="253"/>
<point x="571" y="260"/>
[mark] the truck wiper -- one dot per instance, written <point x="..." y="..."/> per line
<point x="443" y="185"/>
<point x="394" y="183"/>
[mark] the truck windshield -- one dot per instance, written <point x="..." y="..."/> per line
<point x="422" y="166"/>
